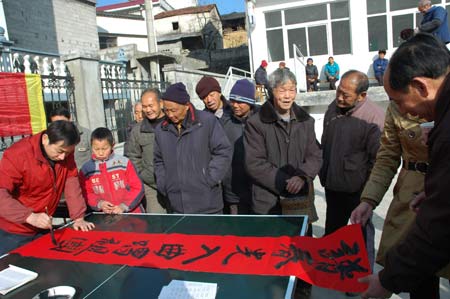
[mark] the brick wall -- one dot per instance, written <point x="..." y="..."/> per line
<point x="56" y="26"/>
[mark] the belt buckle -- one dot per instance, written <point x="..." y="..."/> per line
<point x="421" y="167"/>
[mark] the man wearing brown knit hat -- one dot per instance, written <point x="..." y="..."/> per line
<point x="192" y="154"/>
<point x="210" y="92"/>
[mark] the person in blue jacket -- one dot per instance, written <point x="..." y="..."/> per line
<point x="434" y="20"/>
<point x="379" y="66"/>
<point x="332" y="72"/>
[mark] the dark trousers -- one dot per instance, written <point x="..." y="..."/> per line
<point x="10" y="241"/>
<point x="429" y="289"/>
<point x="311" y="86"/>
<point x="379" y="79"/>
<point x="339" y="208"/>
<point x="301" y="284"/>
<point x="332" y="83"/>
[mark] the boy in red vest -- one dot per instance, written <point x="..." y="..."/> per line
<point x="109" y="181"/>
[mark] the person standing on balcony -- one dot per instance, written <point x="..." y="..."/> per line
<point x="434" y="20"/>
<point x="261" y="75"/>
<point x="262" y="85"/>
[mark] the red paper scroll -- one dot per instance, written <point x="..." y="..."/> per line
<point x="335" y="261"/>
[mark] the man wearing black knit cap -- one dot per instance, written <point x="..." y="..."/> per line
<point x="192" y="154"/>
<point x="210" y="92"/>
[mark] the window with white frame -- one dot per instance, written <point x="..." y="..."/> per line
<point x="387" y="18"/>
<point x="322" y="29"/>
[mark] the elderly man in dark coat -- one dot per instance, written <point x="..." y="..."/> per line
<point x="191" y="157"/>
<point x="209" y="91"/>
<point x="282" y="154"/>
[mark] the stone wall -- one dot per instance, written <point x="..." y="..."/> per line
<point x="220" y="60"/>
<point x="317" y="102"/>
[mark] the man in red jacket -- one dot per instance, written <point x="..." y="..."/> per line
<point x="34" y="172"/>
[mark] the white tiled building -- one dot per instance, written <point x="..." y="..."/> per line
<point x="350" y="30"/>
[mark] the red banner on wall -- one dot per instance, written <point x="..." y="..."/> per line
<point x="21" y="104"/>
<point x="335" y="261"/>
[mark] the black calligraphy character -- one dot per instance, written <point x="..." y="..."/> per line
<point x="170" y="251"/>
<point x="247" y="252"/>
<point x="95" y="248"/>
<point x="344" y="267"/>
<point x="140" y="243"/>
<point x="105" y="241"/>
<point x="344" y="250"/>
<point x="137" y="249"/>
<point x="292" y="254"/>
<point x="71" y="246"/>
<point x="209" y="252"/>
<point x="347" y="267"/>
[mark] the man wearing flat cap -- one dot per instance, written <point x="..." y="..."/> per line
<point x="237" y="184"/>
<point x="210" y="92"/>
<point x="192" y="154"/>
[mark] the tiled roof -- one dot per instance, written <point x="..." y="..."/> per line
<point x="185" y="11"/>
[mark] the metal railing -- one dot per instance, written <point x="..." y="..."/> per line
<point x="234" y="74"/>
<point x="299" y="67"/>
<point x="120" y="93"/>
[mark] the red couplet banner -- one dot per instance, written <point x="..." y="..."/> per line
<point x="335" y="261"/>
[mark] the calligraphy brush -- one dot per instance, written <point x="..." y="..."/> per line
<point x="52" y="233"/>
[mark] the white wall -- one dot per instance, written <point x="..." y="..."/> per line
<point x="187" y="23"/>
<point x="360" y="59"/>
<point x="141" y="43"/>
<point x="130" y="31"/>
<point x="176" y="4"/>
<point x="122" y="25"/>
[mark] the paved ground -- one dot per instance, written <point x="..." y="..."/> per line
<point x="378" y="219"/>
<point x="318" y="230"/>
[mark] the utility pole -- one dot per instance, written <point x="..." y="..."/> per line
<point x="250" y="23"/>
<point x="151" y="39"/>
